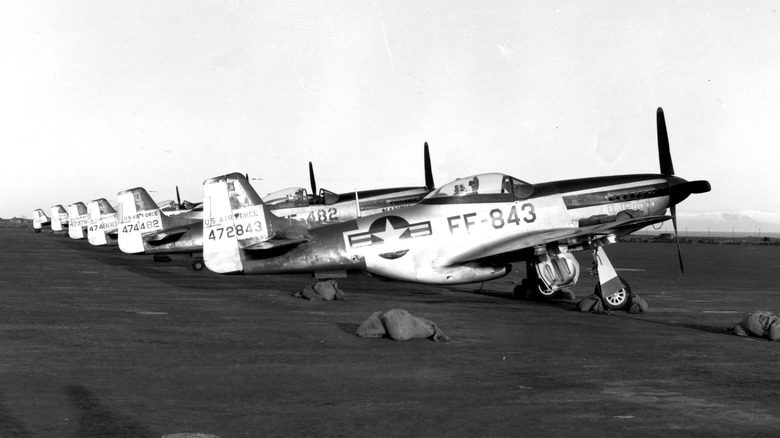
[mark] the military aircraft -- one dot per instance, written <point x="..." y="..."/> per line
<point x="102" y="225"/>
<point x="469" y="230"/>
<point x="59" y="218"/>
<point x="326" y="207"/>
<point x="144" y="227"/>
<point x="78" y="220"/>
<point x="40" y="220"/>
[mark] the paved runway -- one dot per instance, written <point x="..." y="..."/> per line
<point x="99" y="343"/>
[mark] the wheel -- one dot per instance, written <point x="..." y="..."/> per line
<point x="616" y="300"/>
<point x="197" y="265"/>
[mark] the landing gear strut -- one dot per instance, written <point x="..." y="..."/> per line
<point x="613" y="290"/>
<point x="549" y="275"/>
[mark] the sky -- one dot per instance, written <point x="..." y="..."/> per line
<point x="102" y="96"/>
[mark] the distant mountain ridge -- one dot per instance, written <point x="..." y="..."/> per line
<point x="748" y="221"/>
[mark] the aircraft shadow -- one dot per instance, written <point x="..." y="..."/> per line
<point x="347" y="327"/>
<point x="10" y="426"/>
<point x="96" y="420"/>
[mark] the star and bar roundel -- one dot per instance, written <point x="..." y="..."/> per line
<point x="389" y="228"/>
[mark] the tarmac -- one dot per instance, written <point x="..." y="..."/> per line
<point x="99" y="343"/>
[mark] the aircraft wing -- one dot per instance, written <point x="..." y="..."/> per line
<point x="510" y="248"/>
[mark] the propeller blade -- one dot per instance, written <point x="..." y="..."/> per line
<point x="429" y="184"/>
<point x="676" y="238"/>
<point x="664" y="156"/>
<point x="178" y="199"/>
<point x="311" y="179"/>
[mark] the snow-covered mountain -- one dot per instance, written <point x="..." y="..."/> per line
<point x="749" y="221"/>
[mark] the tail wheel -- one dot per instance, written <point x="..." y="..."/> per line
<point x="197" y="265"/>
<point x="616" y="300"/>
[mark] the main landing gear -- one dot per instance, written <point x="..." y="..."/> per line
<point x="613" y="290"/>
<point x="550" y="275"/>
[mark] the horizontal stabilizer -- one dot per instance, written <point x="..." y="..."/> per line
<point x="274" y="244"/>
<point x="166" y="236"/>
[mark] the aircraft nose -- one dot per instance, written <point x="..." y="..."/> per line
<point x="680" y="189"/>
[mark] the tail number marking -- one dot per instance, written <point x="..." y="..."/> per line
<point x="141" y="226"/>
<point x="496" y="219"/>
<point x="323" y="215"/>
<point x="237" y="231"/>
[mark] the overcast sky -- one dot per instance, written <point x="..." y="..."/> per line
<point x="102" y="96"/>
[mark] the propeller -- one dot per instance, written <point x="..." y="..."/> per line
<point x="667" y="169"/>
<point x="679" y="189"/>
<point x="664" y="156"/>
<point x="429" y="184"/>
<point x="178" y="199"/>
<point x="311" y="179"/>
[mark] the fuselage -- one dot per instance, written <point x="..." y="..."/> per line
<point x="328" y="208"/>
<point x="490" y="218"/>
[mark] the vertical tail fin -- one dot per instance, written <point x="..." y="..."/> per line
<point x="138" y="215"/>
<point x="59" y="218"/>
<point x="234" y="217"/>
<point x="77" y="213"/>
<point x="39" y="220"/>
<point x="102" y="221"/>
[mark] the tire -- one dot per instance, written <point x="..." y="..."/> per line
<point x="618" y="300"/>
<point x="197" y="265"/>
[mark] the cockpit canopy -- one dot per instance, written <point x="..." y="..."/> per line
<point x="299" y="197"/>
<point x="291" y="194"/>
<point x="484" y="184"/>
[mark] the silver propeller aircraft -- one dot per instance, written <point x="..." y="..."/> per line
<point x="59" y="218"/>
<point x="469" y="230"/>
<point x="40" y="220"/>
<point x="328" y="207"/>
<point x="102" y="226"/>
<point x="78" y="220"/>
<point x="144" y="227"/>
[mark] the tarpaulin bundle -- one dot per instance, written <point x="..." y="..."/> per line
<point x="400" y="325"/>
<point x="323" y="290"/>
<point x="759" y="323"/>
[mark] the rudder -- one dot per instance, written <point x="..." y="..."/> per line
<point x="234" y="218"/>
<point x="138" y="215"/>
